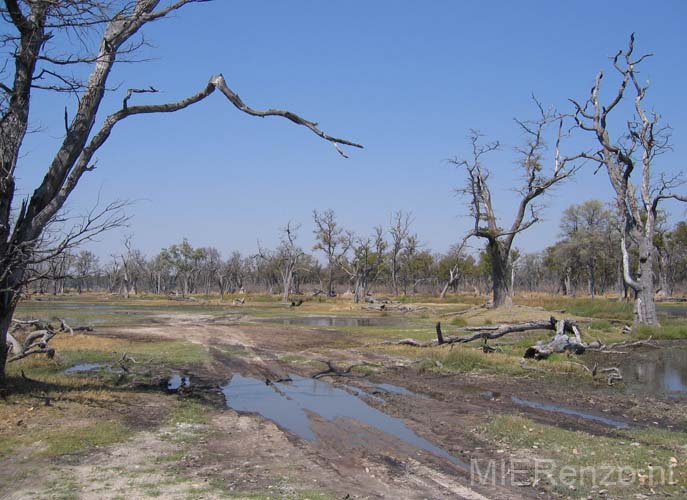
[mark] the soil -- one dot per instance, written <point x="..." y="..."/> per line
<point x="245" y="453"/>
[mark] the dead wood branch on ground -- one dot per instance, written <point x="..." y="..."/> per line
<point x="334" y="371"/>
<point x="561" y="341"/>
<point x="35" y="342"/>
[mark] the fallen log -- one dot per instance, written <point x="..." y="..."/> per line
<point x="35" y="342"/>
<point x="613" y="375"/>
<point x="560" y="343"/>
<point x="638" y="343"/>
<point x="484" y="332"/>
<point x="374" y="307"/>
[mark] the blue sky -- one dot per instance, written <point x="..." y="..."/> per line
<point x="406" y="79"/>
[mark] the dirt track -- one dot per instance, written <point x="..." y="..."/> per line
<point x="349" y="458"/>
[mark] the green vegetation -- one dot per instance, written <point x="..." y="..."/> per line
<point x="458" y="321"/>
<point x="634" y="453"/>
<point x="669" y="329"/>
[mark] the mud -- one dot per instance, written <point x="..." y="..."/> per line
<point x="291" y="405"/>
<point x="399" y="432"/>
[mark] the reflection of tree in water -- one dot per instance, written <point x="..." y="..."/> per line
<point x="666" y="371"/>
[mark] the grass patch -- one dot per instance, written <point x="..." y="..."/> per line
<point x="669" y="330"/>
<point x="600" y="307"/>
<point x="602" y="325"/>
<point x="77" y="439"/>
<point x="636" y="453"/>
<point x="153" y="357"/>
<point x="189" y="411"/>
<point x="458" y="321"/>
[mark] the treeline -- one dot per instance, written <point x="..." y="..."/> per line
<point x="391" y="260"/>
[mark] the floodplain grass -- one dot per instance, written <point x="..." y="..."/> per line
<point x="82" y="394"/>
<point x="92" y="407"/>
<point x="639" y="454"/>
<point x="670" y="329"/>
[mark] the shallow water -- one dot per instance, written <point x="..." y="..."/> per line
<point x="552" y="407"/>
<point x="176" y="381"/>
<point x="288" y="404"/>
<point x="360" y="393"/>
<point x="394" y="389"/>
<point x="340" y="321"/>
<point x="85" y="367"/>
<point x="672" y="311"/>
<point x="660" y="371"/>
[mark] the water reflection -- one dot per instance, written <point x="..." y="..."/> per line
<point x="663" y="371"/>
<point x="288" y="404"/>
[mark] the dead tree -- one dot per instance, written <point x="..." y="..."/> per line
<point x="399" y="230"/>
<point x="332" y="240"/>
<point x="366" y="263"/>
<point x="626" y="157"/>
<point x="22" y="343"/>
<point x="478" y="194"/>
<point x="561" y="342"/>
<point x="286" y="258"/>
<point x="33" y="28"/>
<point x="454" y="271"/>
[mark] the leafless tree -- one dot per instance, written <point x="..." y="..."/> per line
<point x="536" y="183"/>
<point x="86" y="267"/>
<point x="48" y="40"/>
<point x="366" y="263"/>
<point x="644" y="139"/>
<point x="331" y="239"/>
<point x="58" y="270"/>
<point x="399" y="231"/>
<point x="131" y="268"/>
<point x="455" y="269"/>
<point x="286" y="258"/>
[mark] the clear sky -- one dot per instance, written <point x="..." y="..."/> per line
<point x="406" y="79"/>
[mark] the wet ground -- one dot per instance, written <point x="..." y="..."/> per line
<point x="337" y="321"/>
<point x="657" y="372"/>
<point x="390" y="430"/>
<point x="291" y="405"/>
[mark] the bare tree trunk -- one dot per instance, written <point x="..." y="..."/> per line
<point x="664" y="282"/>
<point x="7" y="307"/>
<point x="360" y="289"/>
<point x="330" y="280"/>
<point x="645" y="306"/>
<point x="499" y="275"/>
<point x="452" y="281"/>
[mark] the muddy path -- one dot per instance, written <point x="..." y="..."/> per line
<point x="348" y="456"/>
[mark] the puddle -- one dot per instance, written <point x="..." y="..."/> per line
<point x="85" y="367"/>
<point x="340" y="321"/>
<point x="490" y="395"/>
<point x="660" y="371"/>
<point x="288" y="404"/>
<point x="672" y="311"/>
<point x="176" y="382"/>
<point x="360" y="393"/>
<point x="569" y="411"/>
<point x="394" y="389"/>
